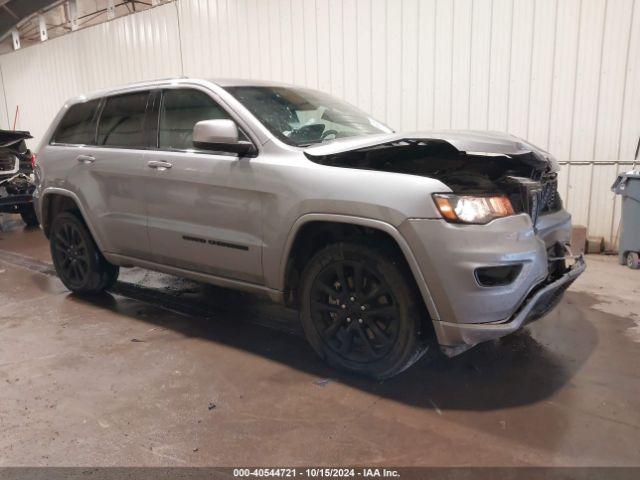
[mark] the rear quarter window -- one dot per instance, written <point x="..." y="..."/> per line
<point x="77" y="126"/>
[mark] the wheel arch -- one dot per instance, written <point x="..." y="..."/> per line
<point x="319" y="221"/>
<point x="55" y="200"/>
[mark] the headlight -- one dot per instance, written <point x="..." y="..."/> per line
<point x="472" y="208"/>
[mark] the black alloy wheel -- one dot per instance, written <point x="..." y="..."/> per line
<point x="72" y="253"/>
<point x="354" y="311"/>
<point x="361" y="311"/>
<point x="77" y="260"/>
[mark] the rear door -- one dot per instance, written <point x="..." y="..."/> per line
<point x="204" y="211"/>
<point x="110" y="174"/>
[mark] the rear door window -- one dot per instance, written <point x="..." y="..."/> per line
<point x="77" y="127"/>
<point x="122" y="121"/>
<point x="181" y="110"/>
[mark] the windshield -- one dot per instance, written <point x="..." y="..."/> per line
<point x="301" y="117"/>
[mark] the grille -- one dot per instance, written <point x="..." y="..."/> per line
<point x="535" y="203"/>
<point x="8" y="163"/>
<point x="549" y="197"/>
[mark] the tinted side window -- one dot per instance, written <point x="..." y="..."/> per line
<point x="122" y="121"/>
<point x="181" y="110"/>
<point x="77" y="127"/>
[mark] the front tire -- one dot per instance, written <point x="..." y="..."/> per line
<point x="29" y="216"/>
<point x="360" y="310"/>
<point x="77" y="260"/>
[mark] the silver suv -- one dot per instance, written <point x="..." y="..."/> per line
<point x="386" y="242"/>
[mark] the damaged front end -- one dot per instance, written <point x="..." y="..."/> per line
<point x="16" y="173"/>
<point x="486" y="278"/>
<point x="526" y="175"/>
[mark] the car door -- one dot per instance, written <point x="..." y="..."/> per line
<point x="203" y="208"/>
<point x="109" y="175"/>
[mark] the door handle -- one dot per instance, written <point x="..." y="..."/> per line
<point x="85" y="159"/>
<point x="158" y="165"/>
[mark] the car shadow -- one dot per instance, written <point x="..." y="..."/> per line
<point x="520" y="369"/>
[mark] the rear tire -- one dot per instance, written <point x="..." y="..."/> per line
<point x="77" y="260"/>
<point x="360" y="310"/>
<point x="29" y="216"/>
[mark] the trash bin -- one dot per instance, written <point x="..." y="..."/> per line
<point x="628" y="186"/>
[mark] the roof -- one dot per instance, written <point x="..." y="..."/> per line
<point x="220" y="82"/>
<point x="246" y="82"/>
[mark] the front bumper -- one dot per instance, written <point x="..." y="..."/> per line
<point x="541" y="301"/>
<point x="466" y="312"/>
<point x="14" y="203"/>
<point x="16" y="193"/>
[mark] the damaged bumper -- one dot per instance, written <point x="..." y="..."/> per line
<point x="521" y="284"/>
<point x="16" y="172"/>
<point x="537" y="304"/>
<point x="16" y="193"/>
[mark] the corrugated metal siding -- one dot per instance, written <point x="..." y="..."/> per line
<point x="563" y="73"/>
<point x="39" y="79"/>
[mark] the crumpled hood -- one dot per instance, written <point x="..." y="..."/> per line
<point x="464" y="161"/>
<point x="469" y="141"/>
<point x="9" y="137"/>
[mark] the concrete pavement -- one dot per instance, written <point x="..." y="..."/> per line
<point x="164" y="371"/>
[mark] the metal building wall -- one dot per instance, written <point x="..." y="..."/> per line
<point x="40" y="78"/>
<point x="564" y="74"/>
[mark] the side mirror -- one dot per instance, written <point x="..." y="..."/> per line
<point x="221" y="136"/>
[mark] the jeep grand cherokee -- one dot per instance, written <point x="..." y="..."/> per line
<point x="386" y="242"/>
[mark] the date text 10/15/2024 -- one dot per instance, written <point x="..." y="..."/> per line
<point x="316" y="472"/>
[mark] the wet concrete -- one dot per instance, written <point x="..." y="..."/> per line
<point x="164" y="371"/>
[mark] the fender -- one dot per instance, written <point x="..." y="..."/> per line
<point x="76" y="200"/>
<point x="364" y="222"/>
